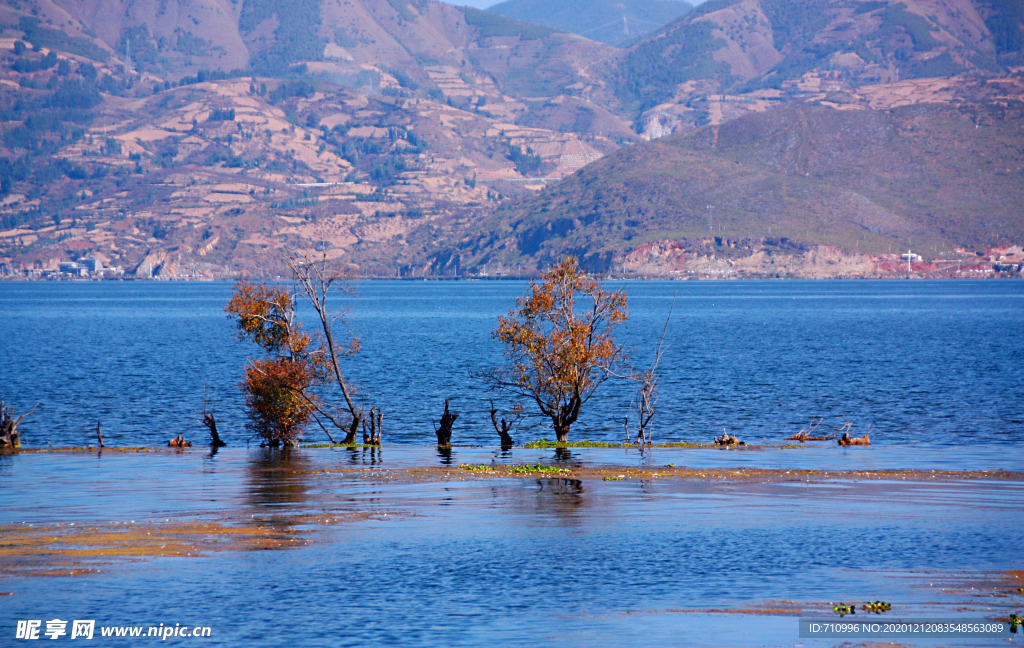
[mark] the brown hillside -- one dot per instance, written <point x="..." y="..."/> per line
<point x="933" y="177"/>
<point x="730" y="57"/>
<point x="403" y="118"/>
<point x="391" y="128"/>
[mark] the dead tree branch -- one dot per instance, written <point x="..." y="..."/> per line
<point x="503" y="428"/>
<point x="376" y="425"/>
<point x="805" y="434"/>
<point x="646" y="400"/>
<point x="208" y="420"/>
<point x="10" y="435"/>
<point x="444" y="432"/>
<point x="315" y="278"/>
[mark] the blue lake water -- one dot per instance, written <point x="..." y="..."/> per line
<point x="926" y="362"/>
<point x="933" y="368"/>
<point x="512" y="562"/>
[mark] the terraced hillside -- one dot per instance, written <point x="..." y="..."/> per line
<point x="405" y="117"/>
<point x="173" y="138"/>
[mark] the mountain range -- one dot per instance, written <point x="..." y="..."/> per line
<point x="415" y="137"/>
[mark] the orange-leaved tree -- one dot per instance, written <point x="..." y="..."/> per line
<point x="277" y="388"/>
<point x="558" y="343"/>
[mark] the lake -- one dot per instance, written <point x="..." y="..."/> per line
<point x="922" y="362"/>
<point x="593" y="547"/>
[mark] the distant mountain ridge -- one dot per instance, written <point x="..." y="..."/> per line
<point x="929" y="176"/>
<point x="749" y="51"/>
<point x="615" y="22"/>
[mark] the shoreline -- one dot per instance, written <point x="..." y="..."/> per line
<point x="575" y="468"/>
<point x="525" y="277"/>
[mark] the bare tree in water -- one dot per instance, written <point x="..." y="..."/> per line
<point x="316" y="278"/>
<point x="645" y="402"/>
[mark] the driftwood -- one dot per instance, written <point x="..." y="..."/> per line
<point x="376" y="425"/>
<point x="179" y="442"/>
<point x="807" y="433"/>
<point x="444" y="433"/>
<point x="725" y="439"/>
<point x="847" y="440"/>
<point x="10" y="435"/>
<point x="505" y="426"/>
<point x="802" y="436"/>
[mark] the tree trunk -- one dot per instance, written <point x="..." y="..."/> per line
<point x="376" y="423"/>
<point x="565" y="416"/>
<point x="378" y="429"/>
<point x="10" y="435"/>
<point x="444" y="432"/>
<point x="502" y="428"/>
<point x="350" y="437"/>
<point x="211" y="423"/>
<point x="562" y="432"/>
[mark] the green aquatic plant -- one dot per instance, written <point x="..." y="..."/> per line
<point x="1015" y="622"/>
<point x="615" y="478"/>
<point x="842" y="609"/>
<point x="538" y="468"/>
<point x="877" y="607"/>
<point x="480" y="468"/>
<point x="547" y="443"/>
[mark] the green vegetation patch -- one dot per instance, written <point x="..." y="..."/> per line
<point x="527" y="164"/>
<point x="54" y="39"/>
<point x="191" y="45"/>
<point x="479" y="468"/>
<point x="547" y="443"/>
<point x="1005" y="22"/>
<point x="896" y="20"/>
<point x="295" y="38"/>
<point x="651" y="71"/>
<point x="538" y="469"/>
<point x="403" y="9"/>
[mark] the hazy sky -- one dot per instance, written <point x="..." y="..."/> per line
<point x="483" y="4"/>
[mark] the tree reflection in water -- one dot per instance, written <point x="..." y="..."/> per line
<point x="445" y="453"/>
<point x="365" y="456"/>
<point x="279" y="480"/>
<point x="545" y="499"/>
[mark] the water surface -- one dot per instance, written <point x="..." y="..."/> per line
<point x="922" y="362"/>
